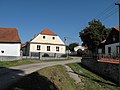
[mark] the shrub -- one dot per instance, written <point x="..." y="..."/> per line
<point x="45" y="55"/>
<point x="64" y="55"/>
<point x="79" y="52"/>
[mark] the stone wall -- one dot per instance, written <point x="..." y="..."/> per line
<point x="111" y="71"/>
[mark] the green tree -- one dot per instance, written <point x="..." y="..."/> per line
<point x="94" y="34"/>
<point x="72" y="45"/>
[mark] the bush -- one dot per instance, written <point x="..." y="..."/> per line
<point x="64" y="55"/>
<point x="79" y="52"/>
<point x="45" y="55"/>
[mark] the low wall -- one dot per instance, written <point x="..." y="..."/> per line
<point x="9" y="58"/>
<point x="111" y="71"/>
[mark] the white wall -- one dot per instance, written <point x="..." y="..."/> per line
<point x="9" y="49"/>
<point x="33" y="48"/>
<point x="113" y="48"/>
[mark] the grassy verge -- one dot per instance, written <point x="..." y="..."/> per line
<point x="15" y="63"/>
<point x="56" y="78"/>
<point x="52" y="78"/>
<point x="23" y="62"/>
<point x="91" y="81"/>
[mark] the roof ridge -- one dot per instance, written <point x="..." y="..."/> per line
<point x="47" y="31"/>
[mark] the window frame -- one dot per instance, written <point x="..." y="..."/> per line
<point x="38" y="47"/>
<point x="109" y="50"/>
<point x="117" y="49"/>
<point x="48" y="48"/>
<point x="57" y="48"/>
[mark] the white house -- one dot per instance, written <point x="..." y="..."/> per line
<point x="111" y="44"/>
<point x="47" y="42"/>
<point x="79" y="47"/>
<point x="10" y="44"/>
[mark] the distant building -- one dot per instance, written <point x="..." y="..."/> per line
<point x="80" y="47"/>
<point x="10" y="44"/>
<point x="46" y="42"/>
<point x="79" y="50"/>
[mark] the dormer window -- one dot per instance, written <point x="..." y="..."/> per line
<point x="43" y="37"/>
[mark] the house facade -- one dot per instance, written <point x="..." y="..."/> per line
<point x="46" y="42"/>
<point x="112" y="42"/>
<point x="10" y="44"/>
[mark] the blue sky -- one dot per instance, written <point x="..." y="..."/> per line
<point x="64" y="17"/>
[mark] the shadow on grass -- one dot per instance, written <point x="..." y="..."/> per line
<point x="34" y="81"/>
<point x="93" y="79"/>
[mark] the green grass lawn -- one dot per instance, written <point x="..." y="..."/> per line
<point x="91" y="81"/>
<point x="15" y="63"/>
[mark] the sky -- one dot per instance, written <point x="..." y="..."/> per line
<point x="66" y="18"/>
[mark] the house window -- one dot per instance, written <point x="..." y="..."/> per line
<point x="38" y="47"/>
<point x="57" y="48"/>
<point x="2" y="51"/>
<point x="53" y="38"/>
<point x="113" y="38"/>
<point x="117" y="49"/>
<point x="48" y="48"/>
<point x="43" y="37"/>
<point x="109" y="50"/>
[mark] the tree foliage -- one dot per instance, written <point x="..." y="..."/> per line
<point x="94" y="34"/>
<point x="72" y="45"/>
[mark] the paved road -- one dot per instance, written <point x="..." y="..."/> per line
<point x="10" y="75"/>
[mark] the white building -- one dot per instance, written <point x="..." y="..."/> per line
<point x="10" y="44"/>
<point x="47" y="42"/>
<point x="79" y="47"/>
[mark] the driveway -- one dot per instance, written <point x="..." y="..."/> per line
<point x="11" y="74"/>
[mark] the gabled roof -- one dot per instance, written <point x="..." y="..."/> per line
<point x="113" y="36"/>
<point x="116" y="28"/>
<point x="9" y="35"/>
<point x="48" y="32"/>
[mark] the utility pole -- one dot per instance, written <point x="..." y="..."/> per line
<point x="65" y="41"/>
<point x="119" y="41"/>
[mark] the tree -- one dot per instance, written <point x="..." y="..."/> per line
<point x="94" y="34"/>
<point x="72" y="45"/>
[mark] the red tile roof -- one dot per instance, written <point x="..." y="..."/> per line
<point x="9" y="35"/>
<point x="107" y="60"/>
<point x="48" y="32"/>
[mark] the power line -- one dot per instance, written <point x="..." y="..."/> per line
<point x="109" y="15"/>
<point x="106" y="13"/>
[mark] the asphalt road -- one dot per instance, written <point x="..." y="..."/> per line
<point x="11" y="74"/>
